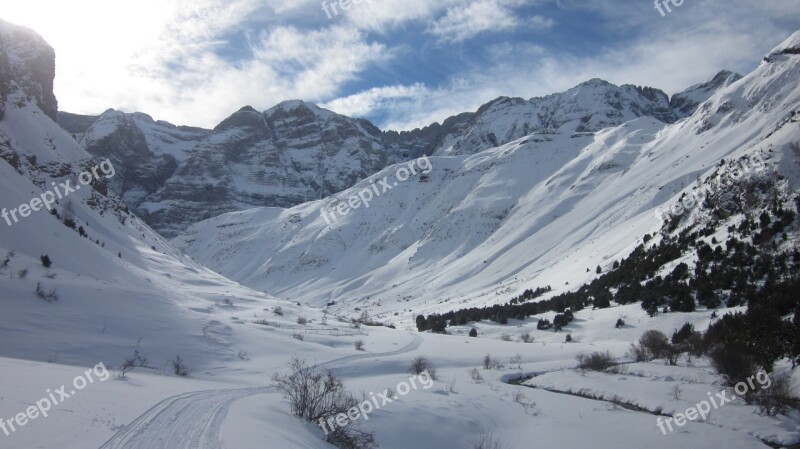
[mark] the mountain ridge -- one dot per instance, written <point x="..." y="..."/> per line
<point x="297" y="151"/>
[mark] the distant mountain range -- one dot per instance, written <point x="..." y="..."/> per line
<point x="296" y="152"/>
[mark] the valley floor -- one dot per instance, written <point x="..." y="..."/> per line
<point x="234" y="406"/>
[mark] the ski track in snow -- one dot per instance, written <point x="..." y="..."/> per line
<point x="194" y="420"/>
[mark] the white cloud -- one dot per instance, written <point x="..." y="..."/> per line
<point x="466" y="21"/>
<point x="668" y="61"/>
<point x="164" y="56"/>
<point x="382" y="16"/>
<point x="376" y="98"/>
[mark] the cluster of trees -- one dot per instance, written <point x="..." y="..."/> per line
<point x="753" y="268"/>
<point x="529" y="294"/>
<point x="572" y="302"/>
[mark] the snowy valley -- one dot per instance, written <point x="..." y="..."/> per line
<point x="514" y="257"/>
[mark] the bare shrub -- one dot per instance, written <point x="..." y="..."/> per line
<point x="390" y="393"/>
<point x="315" y="394"/>
<point x="179" y="367"/>
<point x="596" y="361"/>
<point x="488" y="441"/>
<point x="475" y="375"/>
<point x="677" y="391"/>
<point x="654" y="344"/>
<point x="277" y="310"/>
<point x="489" y="362"/>
<point x="302" y="320"/>
<point x="420" y="365"/>
<point x="638" y="353"/>
<point x="506" y="337"/>
<point x="523" y="400"/>
<point x="526" y="338"/>
<point x="48" y="296"/>
<point x="359" y="345"/>
<point x="451" y="386"/>
<point x="778" y="399"/>
<point x="515" y="361"/>
<point x="6" y="261"/>
<point x="298" y="336"/>
<point x="619" y="368"/>
<point x="22" y="274"/>
<point x="350" y="437"/>
<point x="135" y="361"/>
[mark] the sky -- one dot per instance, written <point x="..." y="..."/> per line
<point x="400" y="63"/>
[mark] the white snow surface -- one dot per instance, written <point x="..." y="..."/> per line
<point x="478" y="229"/>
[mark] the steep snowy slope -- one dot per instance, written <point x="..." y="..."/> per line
<point x="686" y="102"/>
<point x="538" y="211"/>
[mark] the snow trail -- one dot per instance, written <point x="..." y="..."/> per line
<point x="194" y="420"/>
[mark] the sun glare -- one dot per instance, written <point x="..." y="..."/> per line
<point x="94" y="40"/>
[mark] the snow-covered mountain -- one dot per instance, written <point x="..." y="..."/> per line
<point x="146" y="152"/>
<point x="540" y="210"/>
<point x="297" y="152"/>
<point x="112" y="284"/>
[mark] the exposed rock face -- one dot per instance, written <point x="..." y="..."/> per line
<point x="141" y="170"/>
<point x="5" y="77"/>
<point x="292" y="153"/>
<point x="27" y="66"/>
<point x="76" y="124"/>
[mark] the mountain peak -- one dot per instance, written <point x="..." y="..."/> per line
<point x="247" y="116"/>
<point x="247" y="108"/>
<point x="595" y="82"/>
<point x="790" y="46"/>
